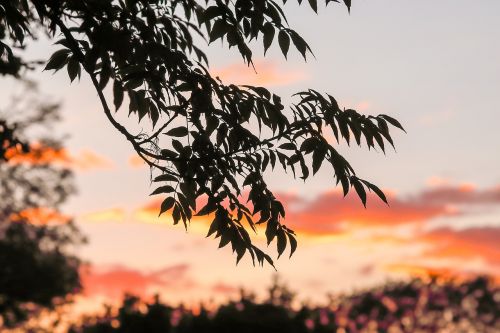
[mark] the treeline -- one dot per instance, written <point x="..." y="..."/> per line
<point x="421" y="305"/>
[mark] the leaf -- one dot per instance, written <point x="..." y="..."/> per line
<point x="224" y="239"/>
<point x="299" y="43"/>
<point x="270" y="231"/>
<point x="377" y="190"/>
<point x="167" y="153"/>
<point x="281" y="244"/>
<point x="284" y="42"/>
<point x="309" y="145"/>
<point x="240" y="252"/>
<point x="176" y="214"/>
<point x="117" y="94"/>
<point x="166" y="205"/>
<point x="211" y="13"/>
<point x="219" y="29"/>
<point x="165" y="178"/>
<point x="73" y="68"/>
<point x="154" y="114"/>
<point x="163" y="189"/>
<point x="214" y="226"/>
<point x="268" y="31"/>
<point x="318" y="157"/>
<point x="208" y="208"/>
<point x="287" y="146"/>
<point x="360" y="190"/>
<point x="348" y="4"/>
<point x="393" y="122"/>
<point x="314" y="5"/>
<point x="178" y="145"/>
<point x="178" y="131"/>
<point x="57" y="60"/>
<point x="293" y="244"/>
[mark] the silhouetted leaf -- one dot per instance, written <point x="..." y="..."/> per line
<point x="178" y="131"/>
<point x="58" y="60"/>
<point x="166" y="205"/>
<point x="293" y="244"/>
<point x="165" y="178"/>
<point x="318" y="158"/>
<point x="284" y="42"/>
<point x="163" y="189"/>
<point x="360" y="190"/>
<point x="74" y="69"/>
<point x="314" y="5"/>
<point x="393" y="122"/>
<point x="281" y="245"/>
<point x="117" y="94"/>
<point x="268" y="31"/>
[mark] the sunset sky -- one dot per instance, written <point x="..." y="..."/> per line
<point x="433" y="65"/>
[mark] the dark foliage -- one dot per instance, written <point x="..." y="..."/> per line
<point x="37" y="270"/>
<point x="205" y="139"/>
<point x="429" y="305"/>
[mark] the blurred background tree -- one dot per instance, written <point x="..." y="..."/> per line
<point x="430" y="304"/>
<point x="38" y="269"/>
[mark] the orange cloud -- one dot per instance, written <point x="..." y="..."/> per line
<point x="114" y="281"/>
<point x="331" y="213"/>
<point x="41" y="216"/>
<point x="266" y="73"/>
<point x="136" y="162"/>
<point x="424" y="271"/>
<point x="468" y="243"/>
<point x="39" y="154"/>
<point x="454" y="253"/>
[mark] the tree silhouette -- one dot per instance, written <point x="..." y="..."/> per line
<point x="421" y="305"/>
<point x="38" y="270"/>
<point x="206" y="141"/>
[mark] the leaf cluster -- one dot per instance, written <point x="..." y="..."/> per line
<point x="203" y="142"/>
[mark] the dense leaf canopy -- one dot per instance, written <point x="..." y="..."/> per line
<point x="208" y="141"/>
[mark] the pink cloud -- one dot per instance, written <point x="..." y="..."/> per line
<point x="331" y="213"/>
<point x="266" y="73"/>
<point x="222" y="288"/>
<point x="114" y="281"/>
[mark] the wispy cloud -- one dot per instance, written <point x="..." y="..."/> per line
<point x="266" y="73"/>
<point x="466" y="194"/>
<point x="223" y="288"/>
<point x="135" y="162"/>
<point x="437" y="118"/>
<point x="87" y="160"/>
<point x="106" y="215"/>
<point x="84" y="160"/>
